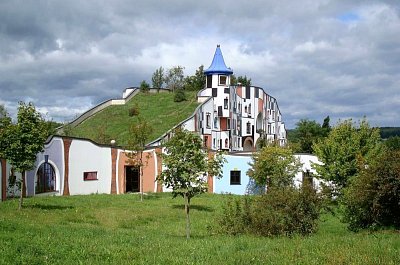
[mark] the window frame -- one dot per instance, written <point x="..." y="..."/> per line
<point x="86" y="175"/>
<point x="222" y="83"/>
<point x="235" y="179"/>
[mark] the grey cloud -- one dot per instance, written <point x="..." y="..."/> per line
<point x="67" y="56"/>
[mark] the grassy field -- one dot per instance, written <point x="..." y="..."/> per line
<point x="119" y="229"/>
<point x="159" y="110"/>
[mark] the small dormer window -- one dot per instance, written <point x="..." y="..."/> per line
<point x="222" y="80"/>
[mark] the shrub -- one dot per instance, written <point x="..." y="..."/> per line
<point x="373" y="197"/>
<point x="133" y="111"/>
<point x="179" y="95"/>
<point x="285" y="211"/>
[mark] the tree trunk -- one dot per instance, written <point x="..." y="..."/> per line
<point x="22" y="190"/>
<point x="187" y="209"/>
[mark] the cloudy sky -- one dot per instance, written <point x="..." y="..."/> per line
<point x="317" y="57"/>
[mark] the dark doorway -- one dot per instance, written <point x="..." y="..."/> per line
<point x="132" y="179"/>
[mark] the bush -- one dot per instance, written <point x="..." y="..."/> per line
<point x="285" y="211"/>
<point x="179" y="95"/>
<point x="133" y="111"/>
<point x="373" y="197"/>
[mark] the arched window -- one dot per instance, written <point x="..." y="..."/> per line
<point x="46" y="178"/>
<point x="226" y="143"/>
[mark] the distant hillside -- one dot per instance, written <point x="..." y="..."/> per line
<point x="387" y="132"/>
<point x="159" y="109"/>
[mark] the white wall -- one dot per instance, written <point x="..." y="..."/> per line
<point x="307" y="160"/>
<point x="86" y="157"/>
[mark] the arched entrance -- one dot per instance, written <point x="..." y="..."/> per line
<point x="248" y="144"/>
<point x="45" y="178"/>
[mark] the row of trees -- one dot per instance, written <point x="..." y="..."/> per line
<point x="174" y="79"/>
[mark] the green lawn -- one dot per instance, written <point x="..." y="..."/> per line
<point x="119" y="229"/>
<point x="158" y="109"/>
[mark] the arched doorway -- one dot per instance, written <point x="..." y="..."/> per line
<point x="45" y="178"/>
<point x="248" y="144"/>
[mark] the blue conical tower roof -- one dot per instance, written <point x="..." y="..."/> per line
<point x="218" y="64"/>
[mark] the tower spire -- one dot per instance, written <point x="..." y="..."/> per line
<point x="218" y="65"/>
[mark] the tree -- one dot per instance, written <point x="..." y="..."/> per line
<point x="144" y="86"/>
<point x="274" y="166"/>
<point x="373" y="197"/>
<point x="186" y="167"/>
<point x="342" y="151"/>
<point x="22" y="141"/>
<point x="138" y="137"/>
<point x="158" y="78"/>
<point x="174" y="78"/>
<point x="326" y="127"/>
<point x="196" y="82"/>
<point x="244" y="80"/>
<point x="306" y="133"/>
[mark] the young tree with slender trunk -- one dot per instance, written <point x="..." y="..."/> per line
<point x="186" y="167"/>
<point x="22" y="141"/>
<point x="139" y="135"/>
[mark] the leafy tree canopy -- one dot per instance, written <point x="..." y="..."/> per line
<point x="342" y="150"/>
<point x="158" y="78"/>
<point x="174" y="79"/>
<point x="274" y="166"/>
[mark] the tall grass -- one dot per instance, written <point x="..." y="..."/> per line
<point x="158" y="109"/>
<point x="119" y="229"/>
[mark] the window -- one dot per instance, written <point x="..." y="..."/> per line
<point x="249" y="109"/>
<point x="226" y="90"/>
<point x="222" y="80"/>
<point x="226" y="143"/>
<point x="208" y="117"/>
<point x="257" y="92"/>
<point x="214" y="142"/>
<point x="226" y="103"/>
<point x="214" y="92"/>
<point x="90" y="175"/>
<point x="235" y="177"/>
<point x="215" y="122"/>
<point x="205" y="141"/>
<point x="209" y="81"/>
<point x="245" y="109"/>
<point x="248" y="127"/>
<point x="228" y="123"/>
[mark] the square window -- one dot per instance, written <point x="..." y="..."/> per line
<point x="222" y="80"/>
<point x="235" y="177"/>
<point x="226" y="90"/>
<point x="90" y="175"/>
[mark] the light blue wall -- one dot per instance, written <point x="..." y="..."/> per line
<point x="233" y="163"/>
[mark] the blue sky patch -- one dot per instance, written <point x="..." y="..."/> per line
<point x="348" y="17"/>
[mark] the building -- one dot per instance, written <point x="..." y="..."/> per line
<point x="232" y="118"/>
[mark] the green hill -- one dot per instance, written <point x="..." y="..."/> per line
<point x="159" y="109"/>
